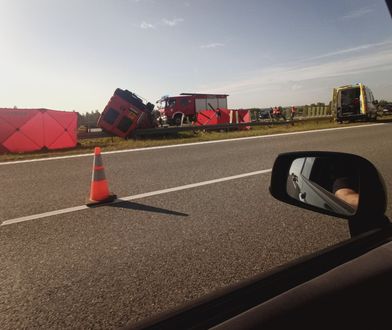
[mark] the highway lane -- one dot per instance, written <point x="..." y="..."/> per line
<point x="104" y="267"/>
<point x="37" y="187"/>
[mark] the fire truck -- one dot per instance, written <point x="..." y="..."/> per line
<point x="184" y="108"/>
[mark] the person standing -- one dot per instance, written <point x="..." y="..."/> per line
<point x="275" y="113"/>
<point x="293" y="111"/>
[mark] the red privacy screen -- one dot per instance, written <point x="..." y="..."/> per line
<point x="23" y="130"/>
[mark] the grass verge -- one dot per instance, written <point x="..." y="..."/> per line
<point x="116" y="143"/>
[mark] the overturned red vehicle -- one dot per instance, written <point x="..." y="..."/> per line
<point x="124" y="113"/>
<point x="26" y="130"/>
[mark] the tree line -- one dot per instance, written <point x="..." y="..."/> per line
<point x="88" y="119"/>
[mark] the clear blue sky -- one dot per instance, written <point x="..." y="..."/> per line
<point x="73" y="54"/>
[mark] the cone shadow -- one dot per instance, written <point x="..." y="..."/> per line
<point x="143" y="207"/>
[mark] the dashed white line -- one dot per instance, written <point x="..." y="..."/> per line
<point x="129" y="198"/>
<point x="188" y="144"/>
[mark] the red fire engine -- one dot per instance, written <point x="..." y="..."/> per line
<point x="185" y="107"/>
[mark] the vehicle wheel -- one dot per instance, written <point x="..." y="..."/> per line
<point x="177" y="120"/>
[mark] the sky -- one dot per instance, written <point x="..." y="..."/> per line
<point x="72" y="54"/>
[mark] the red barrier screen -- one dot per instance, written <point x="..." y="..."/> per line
<point x="23" y="130"/>
<point x="223" y="116"/>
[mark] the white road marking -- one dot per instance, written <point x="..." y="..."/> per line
<point x="188" y="144"/>
<point x="129" y="198"/>
<point x="45" y="215"/>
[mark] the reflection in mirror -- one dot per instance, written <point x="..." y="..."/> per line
<point x="327" y="183"/>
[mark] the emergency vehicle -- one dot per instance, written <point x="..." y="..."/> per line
<point x="354" y="102"/>
<point x="184" y="108"/>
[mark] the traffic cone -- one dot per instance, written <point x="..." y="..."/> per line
<point x="99" y="192"/>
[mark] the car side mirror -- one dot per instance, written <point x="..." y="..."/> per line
<point x="338" y="184"/>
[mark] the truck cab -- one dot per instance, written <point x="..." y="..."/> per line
<point x="178" y="109"/>
<point x="354" y="102"/>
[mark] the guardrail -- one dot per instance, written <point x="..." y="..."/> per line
<point x="170" y="130"/>
<point x="93" y="135"/>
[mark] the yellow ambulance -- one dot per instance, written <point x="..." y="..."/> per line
<point x="354" y="102"/>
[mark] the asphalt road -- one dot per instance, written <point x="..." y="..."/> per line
<point x="108" y="266"/>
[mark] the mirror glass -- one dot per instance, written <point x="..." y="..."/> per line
<point x="327" y="183"/>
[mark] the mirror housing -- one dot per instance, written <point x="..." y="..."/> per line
<point x="370" y="211"/>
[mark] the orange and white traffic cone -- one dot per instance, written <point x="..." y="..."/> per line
<point x="99" y="192"/>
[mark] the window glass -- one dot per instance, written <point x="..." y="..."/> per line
<point x="307" y="168"/>
<point x="124" y="124"/>
<point x="110" y="116"/>
<point x="369" y="96"/>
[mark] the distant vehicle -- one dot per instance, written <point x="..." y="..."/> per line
<point x="387" y="108"/>
<point x="354" y="102"/>
<point x="184" y="108"/>
<point x="265" y="113"/>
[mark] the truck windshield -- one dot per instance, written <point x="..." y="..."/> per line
<point x="171" y="103"/>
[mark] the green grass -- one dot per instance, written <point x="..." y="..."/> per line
<point x="116" y="143"/>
